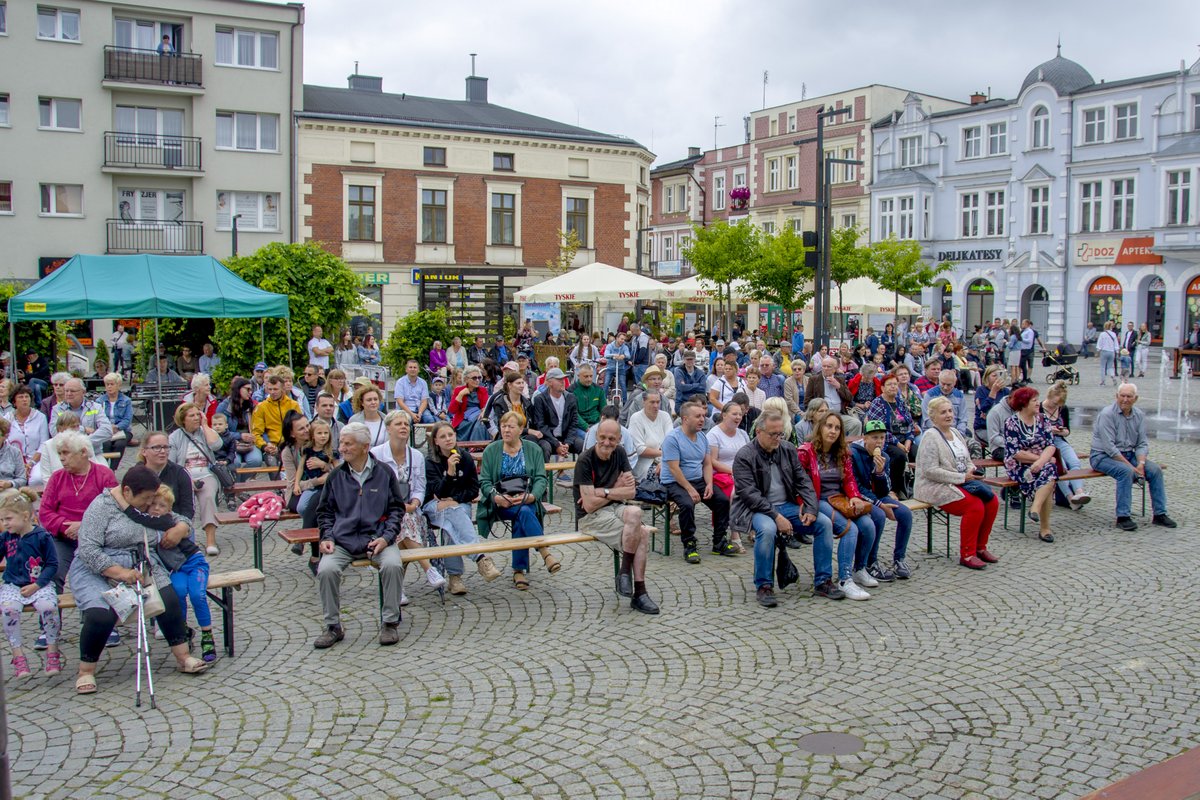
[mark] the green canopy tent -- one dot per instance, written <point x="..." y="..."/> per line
<point x="147" y="287"/>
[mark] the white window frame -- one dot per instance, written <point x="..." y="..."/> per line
<point x="768" y="227"/>
<point x="53" y="213"/>
<point x="375" y="181"/>
<point x="997" y="138"/>
<point x="255" y="224"/>
<point x="680" y="198"/>
<point x="1098" y="126"/>
<point x="791" y="172"/>
<point x="719" y="192"/>
<point x="160" y="204"/>
<point x="1186" y="189"/>
<point x="5" y="110"/>
<point x="668" y="248"/>
<point x="910" y="151"/>
<point x="668" y="199"/>
<point x="926" y="218"/>
<point x="502" y="187"/>
<point x="969" y="215"/>
<point x="887" y="218"/>
<point x="1039" y="128"/>
<point x="1039" y="210"/>
<point x="791" y="123"/>
<point x="235" y="34"/>
<point x="1130" y="120"/>
<point x="8" y="212"/>
<point x="849" y="171"/>
<point x="581" y="193"/>
<point x="1091" y="206"/>
<point x="234" y="117"/>
<point x="55" y="102"/>
<point x="971" y="135"/>
<point x="3" y="19"/>
<point x="773" y="174"/>
<point x="1196" y="112"/>
<point x="1122" y="206"/>
<point x="906" y="217"/>
<point x="58" y="24"/>
<point x="849" y="220"/>
<point x="739" y="178"/>
<point x="995" y="214"/>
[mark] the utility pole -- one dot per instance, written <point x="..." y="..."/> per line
<point x="764" y="89"/>
<point x="823" y="206"/>
<point x="716" y="124"/>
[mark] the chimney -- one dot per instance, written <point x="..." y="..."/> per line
<point x="693" y="152"/>
<point x="365" y="83"/>
<point x="977" y="98"/>
<point x="476" y="89"/>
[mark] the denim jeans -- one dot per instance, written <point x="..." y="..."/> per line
<point x="1070" y="461"/>
<point x="524" y="523"/>
<point x="1124" y="475"/>
<point x="1107" y="365"/>
<point x="252" y="459"/>
<point x="855" y="546"/>
<point x="822" y="533"/>
<point x="765" y="530"/>
<point x="191" y="580"/>
<point x="903" y="529"/>
<point x="456" y="524"/>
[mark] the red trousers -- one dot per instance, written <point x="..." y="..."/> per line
<point x="976" y="524"/>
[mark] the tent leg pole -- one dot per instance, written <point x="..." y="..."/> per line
<point x="289" y="337"/>
<point x="154" y="356"/>
<point x="12" y="350"/>
<point x="262" y="340"/>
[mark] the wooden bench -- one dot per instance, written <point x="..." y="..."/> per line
<point x="931" y="511"/>
<point x="256" y="533"/>
<point x="254" y="487"/>
<point x="552" y="467"/>
<point x="256" y="470"/>
<point x="226" y="582"/>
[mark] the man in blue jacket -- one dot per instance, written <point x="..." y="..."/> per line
<point x="947" y="387"/>
<point x="689" y="381"/>
<point x="871" y="473"/>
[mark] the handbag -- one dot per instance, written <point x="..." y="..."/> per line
<point x="841" y="504"/>
<point x="785" y="571"/>
<point x="152" y="602"/>
<point x="978" y="489"/>
<point x="513" y="484"/>
<point x="650" y="489"/>
<point x="222" y="472"/>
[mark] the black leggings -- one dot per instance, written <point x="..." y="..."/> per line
<point x="98" y="623"/>
<point x="897" y="467"/>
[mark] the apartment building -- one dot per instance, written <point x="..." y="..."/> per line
<point x="145" y="127"/>
<point x="459" y="203"/>
<point x="1072" y="203"/>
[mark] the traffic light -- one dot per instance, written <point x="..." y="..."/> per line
<point x="809" y="238"/>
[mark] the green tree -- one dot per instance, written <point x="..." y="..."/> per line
<point x="897" y="265"/>
<point x="321" y="290"/>
<point x="722" y="253"/>
<point x="49" y="339"/>
<point x="779" y="275"/>
<point x="568" y="247"/>
<point x="847" y="261"/>
<point x="414" y="335"/>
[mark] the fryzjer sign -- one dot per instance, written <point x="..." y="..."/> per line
<point x="1105" y="252"/>
<point x="970" y="255"/>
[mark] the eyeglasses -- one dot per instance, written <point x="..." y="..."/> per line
<point x="775" y="435"/>
<point x="472" y="377"/>
<point x="157" y="447"/>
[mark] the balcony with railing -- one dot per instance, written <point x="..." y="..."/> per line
<point x="669" y="270"/>
<point x="178" y="237"/>
<point x="129" y="65"/>
<point x="140" y="151"/>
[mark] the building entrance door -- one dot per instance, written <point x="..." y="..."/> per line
<point x="1156" y="304"/>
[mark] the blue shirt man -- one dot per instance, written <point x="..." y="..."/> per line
<point x="412" y="393"/>
<point x="798" y="341"/>
<point x="947" y="387"/>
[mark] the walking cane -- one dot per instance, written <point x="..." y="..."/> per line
<point x="143" y="648"/>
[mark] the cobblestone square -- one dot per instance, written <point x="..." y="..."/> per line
<point x="1053" y="673"/>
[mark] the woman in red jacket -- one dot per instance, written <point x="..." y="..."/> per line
<point x="826" y="458"/>
<point x="466" y="407"/>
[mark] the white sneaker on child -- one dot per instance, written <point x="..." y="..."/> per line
<point x="435" y="578"/>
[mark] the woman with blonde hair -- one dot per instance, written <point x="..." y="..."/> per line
<point x="367" y="402"/>
<point x="780" y="405"/>
<point x="1058" y="417"/>
<point x="191" y="447"/>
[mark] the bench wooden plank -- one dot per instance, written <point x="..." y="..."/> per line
<point x="494" y="546"/>
<point x="310" y="535"/>
<point x="256" y="470"/>
<point x="254" y="487"/>
<point x="220" y="580"/>
<point x="560" y="466"/>
<point x="912" y="504"/>
<point x="232" y="518"/>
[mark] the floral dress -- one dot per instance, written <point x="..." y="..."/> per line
<point x="1031" y="438"/>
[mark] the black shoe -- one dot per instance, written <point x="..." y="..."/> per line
<point x="625" y="584"/>
<point x="644" y="604"/>
<point x="792" y="543"/>
<point x="881" y="573"/>
<point x="691" y="556"/>
<point x="804" y="538"/>
<point x="724" y="549"/>
<point x="830" y="590"/>
<point x="389" y="634"/>
<point x="298" y="549"/>
<point x="312" y="567"/>
<point x="332" y="635"/>
<point x="1126" y="524"/>
<point x="766" y="597"/>
<point x="1163" y="520"/>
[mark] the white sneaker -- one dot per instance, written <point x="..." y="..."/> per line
<point x="435" y="578"/>
<point x="853" y="591"/>
<point x="403" y="599"/>
<point x="212" y="550"/>
<point x="863" y="578"/>
<point x="1080" y="500"/>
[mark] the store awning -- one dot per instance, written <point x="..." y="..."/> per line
<point x="863" y="296"/>
<point x="143" y="286"/>
<point x="592" y="283"/>
<point x="701" y="290"/>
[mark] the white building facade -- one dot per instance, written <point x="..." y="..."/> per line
<point x="1075" y="202"/>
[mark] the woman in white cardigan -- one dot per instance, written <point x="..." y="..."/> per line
<point x="943" y="467"/>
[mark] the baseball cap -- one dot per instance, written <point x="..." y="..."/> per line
<point x="511" y="366"/>
<point x="262" y="365"/>
<point x="555" y="372"/>
<point x="438" y="379"/>
<point x="874" y="426"/>
<point x="362" y="380"/>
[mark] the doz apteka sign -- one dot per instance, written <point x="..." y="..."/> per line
<point x="1108" y="252"/>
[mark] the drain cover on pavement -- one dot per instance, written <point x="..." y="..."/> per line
<point x="830" y="744"/>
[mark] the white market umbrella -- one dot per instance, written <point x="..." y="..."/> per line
<point x="701" y="290"/>
<point x="863" y="296"/>
<point x="595" y="283"/>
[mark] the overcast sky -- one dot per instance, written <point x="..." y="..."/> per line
<point x="660" y="70"/>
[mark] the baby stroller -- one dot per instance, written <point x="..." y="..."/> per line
<point x="1062" y="364"/>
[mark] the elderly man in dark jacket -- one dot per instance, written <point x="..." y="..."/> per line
<point x="770" y="481"/>
<point x="359" y="516"/>
<point x="831" y="385"/>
